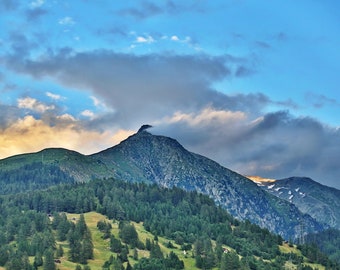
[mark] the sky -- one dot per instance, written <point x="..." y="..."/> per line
<point x="251" y="84"/>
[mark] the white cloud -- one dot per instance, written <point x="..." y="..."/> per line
<point x="66" y="21"/>
<point x="174" y="38"/>
<point x="208" y="116"/>
<point x="87" y="113"/>
<point x="66" y="118"/>
<point x="37" y="3"/>
<point x="34" y="105"/>
<point x="54" y="96"/>
<point x="148" y="39"/>
<point x="96" y="101"/>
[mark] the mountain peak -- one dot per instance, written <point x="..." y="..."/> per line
<point x="143" y="128"/>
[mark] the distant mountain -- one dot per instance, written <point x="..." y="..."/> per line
<point x="144" y="157"/>
<point x="319" y="201"/>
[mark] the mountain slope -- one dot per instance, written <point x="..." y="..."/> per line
<point x="47" y="168"/>
<point x="148" y="158"/>
<point x="162" y="160"/>
<point x="319" y="201"/>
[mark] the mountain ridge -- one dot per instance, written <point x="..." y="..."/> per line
<point x="148" y="158"/>
<point x="319" y="201"/>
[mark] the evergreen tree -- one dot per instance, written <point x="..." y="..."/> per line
<point x="135" y="254"/>
<point x="60" y="252"/>
<point x="115" y="244"/>
<point x="49" y="260"/>
<point x="156" y="251"/>
<point x="128" y="234"/>
<point x="38" y="260"/>
<point x="128" y="266"/>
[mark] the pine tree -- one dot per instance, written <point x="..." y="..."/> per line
<point x="38" y="260"/>
<point x="49" y="260"/>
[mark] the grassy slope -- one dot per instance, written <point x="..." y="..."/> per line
<point x="102" y="252"/>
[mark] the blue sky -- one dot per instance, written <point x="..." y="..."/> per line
<point x="250" y="84"/>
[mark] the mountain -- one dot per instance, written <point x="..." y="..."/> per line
<point x="319" y="201"/>
<point x="162" y="160"/>
<point x="47" y="168"/>
<point x="148" y="158"/>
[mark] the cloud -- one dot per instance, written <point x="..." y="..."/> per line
<point x="145" y="10"/>
<point x="54" y="96"/>
<point x="35" y="14"/>
<point x="136" y="87"/>
<point x="174" y="38"/>
<point x="66" y="21"/>
<point x="88" y="113"/>
<point x="34" y="105"/>
<point x="276" y="145"/>
<point x="8" y="5"/>
<point x="318" y="101"/>
<point x="20" y="44"/>
<point x="231" y="129"/>
<point x="147" y="39"/>
<point x="29" y="134"/>
<point x="37" y="3"/>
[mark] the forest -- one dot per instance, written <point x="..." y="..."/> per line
<point x="33" y="222"/>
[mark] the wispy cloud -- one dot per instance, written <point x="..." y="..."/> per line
<point x="35" y="14"/>
<point x="34" y="105"/>
<point x="318" y="100"/>
<point x="54" y="96"/>
<point x="145" y="10"/>
<point x="66" y="21"/>
<point x="145" y="39"/>
<point x="37" y="3"/>
<point x="88" y="113"/>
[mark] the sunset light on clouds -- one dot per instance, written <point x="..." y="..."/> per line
<point x="251" y="84"/>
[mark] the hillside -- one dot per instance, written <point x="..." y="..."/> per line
<point x="148" y="158"/>
<point x="137" y="225"/>
<point x="318" y="201"/>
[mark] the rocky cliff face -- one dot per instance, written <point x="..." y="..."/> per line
<point x="319" y="201"/>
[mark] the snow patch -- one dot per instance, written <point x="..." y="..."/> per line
<point x="271" y="186"/>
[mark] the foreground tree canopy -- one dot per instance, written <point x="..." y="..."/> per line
<point x="32" y="222"/>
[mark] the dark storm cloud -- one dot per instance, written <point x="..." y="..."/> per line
<point x="276" y="145"/>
